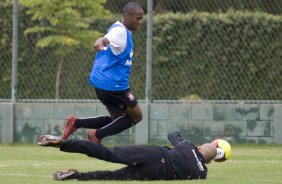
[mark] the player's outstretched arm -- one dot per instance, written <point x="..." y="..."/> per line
<point x="100" y="43"/>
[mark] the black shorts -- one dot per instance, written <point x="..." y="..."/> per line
<point x="116" y="101"/>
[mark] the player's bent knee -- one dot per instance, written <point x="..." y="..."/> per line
<point x="138" y="118"/>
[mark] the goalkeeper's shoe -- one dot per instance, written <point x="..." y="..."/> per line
<point x="49" y="140"/>
<point x="64" y="175"/>
<point x="70" y="127"/>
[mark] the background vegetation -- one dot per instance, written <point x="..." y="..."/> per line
<point x="231" y="51"/>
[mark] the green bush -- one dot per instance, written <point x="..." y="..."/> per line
<point x="185" y="6"/>
<point x="234" y="55"/>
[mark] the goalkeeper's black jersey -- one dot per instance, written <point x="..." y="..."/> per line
<point x="186" y="161"/>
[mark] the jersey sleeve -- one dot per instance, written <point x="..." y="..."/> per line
<point x="117" y="37"/>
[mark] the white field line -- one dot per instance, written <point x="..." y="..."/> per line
<point x="26" y="175"/>
<point x="25" y="164"/>
<point x="256" y="161"/>
<point x="263" y="181"/>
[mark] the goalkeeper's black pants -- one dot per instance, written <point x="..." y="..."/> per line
<point x="142" y="162"/>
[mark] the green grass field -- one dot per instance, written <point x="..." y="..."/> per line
<point x="33" y="164"/>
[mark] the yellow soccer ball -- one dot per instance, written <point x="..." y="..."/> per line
<point x="223" y="149"/>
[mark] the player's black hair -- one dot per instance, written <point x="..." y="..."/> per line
<point x="131" y="7"/>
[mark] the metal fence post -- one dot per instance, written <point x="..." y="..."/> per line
<point x="15" y="50"/>
<point x="142" y="133"/>
<point x="14" y="68"/>
<point x="149" y="50"/>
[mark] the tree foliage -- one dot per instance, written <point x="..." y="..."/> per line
<point x="65" y="24"/>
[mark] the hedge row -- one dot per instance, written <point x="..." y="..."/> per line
<point x="185" y="6"/>
<point x="234" y="55"/>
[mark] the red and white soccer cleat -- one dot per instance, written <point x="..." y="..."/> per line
<point x="69" y="128"/>
<point x="91" y="135"/>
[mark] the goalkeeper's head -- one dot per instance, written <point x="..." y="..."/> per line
<point x="208" y="150"/>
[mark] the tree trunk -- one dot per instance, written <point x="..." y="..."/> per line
<point x="58" y="76"/>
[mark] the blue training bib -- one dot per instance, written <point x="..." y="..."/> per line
<point x="111" y="72"/>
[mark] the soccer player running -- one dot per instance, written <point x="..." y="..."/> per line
<point x="110" y="78"/>
<point x="184" y="161"/>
